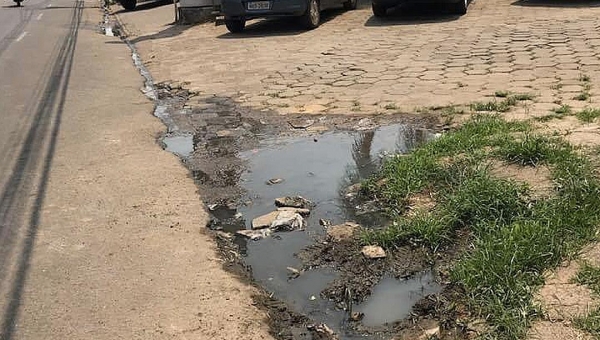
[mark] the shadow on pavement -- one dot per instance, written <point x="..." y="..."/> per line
<point x="415" y="15"/>
<point x="278" y="26"/>
<point x="557" y="3"/>
<point x="171" y="30"/>
<point x="146" y="5"/>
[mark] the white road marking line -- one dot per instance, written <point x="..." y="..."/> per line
<point x="21" y="36"/>
<point x="40" y="16"/>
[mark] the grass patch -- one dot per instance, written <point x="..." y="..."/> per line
<point x="590" y="276"/>
<point x="585" y="78"/>
<point x="590" y="323"/>
<point x="509" y="101"/>
<point x="562" y="110"/>
<point x="588" y="115"/>
<point x="514" y="237"/>
<point x="391" y="106"/>
<point x="502" y="94"/>
<point x="583" y="96"/>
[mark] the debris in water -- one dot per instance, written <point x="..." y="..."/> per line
<point x="294" y="202"/>
<point x="373" y="252"/>
<point x="342" y="232"/>
<point x="323" y="330"/>
<point x="294" y="273"/>
<point x="301" y="123"/>
<point x="288" y="220"/>
<point x="312" y="298"/>
<point x="352" y="191"/>
<point x="274" y="181"/>
<point x="324" y="223"/>
<point x="255" y="234"/>
<point x="357" y="316"/>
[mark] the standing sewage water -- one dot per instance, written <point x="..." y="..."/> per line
<point x="320" y="169"/>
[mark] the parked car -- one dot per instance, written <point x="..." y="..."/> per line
<point x="380" y="7"/>
<point x="128" y="4"/>
<point x="237" y="12"/>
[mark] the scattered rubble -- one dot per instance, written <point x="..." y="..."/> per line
<point x="430" y="333"/>
<point x="322" y="331"/>
<point x="294" y="202"/>
<point x="373" y="252"/>
<point x="255" y="234"/>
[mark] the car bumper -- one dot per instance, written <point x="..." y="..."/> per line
<point x="238" y="9"/>
<point x="394" y="3"/>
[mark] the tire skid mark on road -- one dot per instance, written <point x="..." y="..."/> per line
<point x="35" y="156"/>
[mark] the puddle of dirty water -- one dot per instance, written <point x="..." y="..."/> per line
<point x="320" y="170"/>
<point x="393" y="299"/>
<point x="181" y="145"/>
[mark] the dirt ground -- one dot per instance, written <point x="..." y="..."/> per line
<point x="121" y="251"/>
<point x="402" y="64"/>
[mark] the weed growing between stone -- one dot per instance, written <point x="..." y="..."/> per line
<point x="509" y="101"/>
<point x="514" y="237"/>
<point x="590" y="276"/>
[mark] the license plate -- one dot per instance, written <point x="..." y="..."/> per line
<point x="259" y="5"/>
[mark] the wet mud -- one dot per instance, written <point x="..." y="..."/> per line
<point x="243" y="160"/>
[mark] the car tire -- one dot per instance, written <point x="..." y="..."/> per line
<point x="235" y="25"/>
<point x="312" y="17"/>
<point x="460" y="7"/>
<point x="350" y="5"/>
<point x="379" y="10"/>
<point x="128" y="4"/>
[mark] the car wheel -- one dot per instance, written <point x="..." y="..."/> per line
<point x="128" y="4"/>
<point x="379" y="10"/>
<point x="312" y="18"/>
<point x="350" y="5"/>
<point x="235" y="25"/>
<point x="461" y="7"/>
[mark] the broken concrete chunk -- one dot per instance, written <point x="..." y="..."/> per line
<point x="301" y="123"/>
<point x="357" y="316"/>
<point x="293" y="272"/>
<point x="325" y="223"/>
<point x="433" y="332"/>
<point x="294" y="202"/>
<point x="273" y="181"/>
<point x="342" y="232"/>
<point x="287" y="220"/>
<point x="373" y="252"/>
<point x="264" y="221"/>
<point x="255" y="234"/>
<point x="301" y="211"/>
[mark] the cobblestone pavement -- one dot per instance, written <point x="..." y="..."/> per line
<point x="355" y="63"/>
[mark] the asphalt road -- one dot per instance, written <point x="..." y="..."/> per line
<point x="37" y="44"/>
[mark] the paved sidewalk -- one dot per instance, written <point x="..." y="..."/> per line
<point x="355" y="63"/>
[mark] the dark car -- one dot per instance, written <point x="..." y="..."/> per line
<point x="237" y="12"/>
<point x="380" y="7"/>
